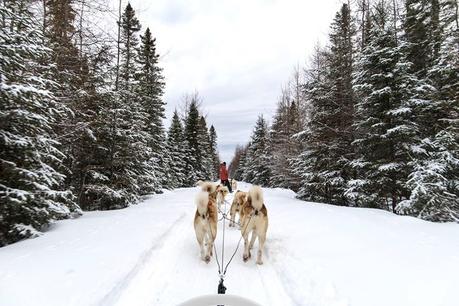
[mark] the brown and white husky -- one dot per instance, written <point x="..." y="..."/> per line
<point x="205" y="223"/>
<point x="222" y="192"/>
<point x="236" y="206"/>
<point x="254" y="216"/>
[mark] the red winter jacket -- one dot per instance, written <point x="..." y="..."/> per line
<point x="223" y="173"/>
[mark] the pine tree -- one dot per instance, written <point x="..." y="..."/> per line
<point x="314" y="157"/>
<point x="71" y="73"/>
<point x="257" y="161"/>
<point x="435" y="179"/>
<point x="386" y="131"/>
<point x="205" y="154"/>
<point x="131" y="173"/>
<point x="215" y="160"/>
<point x="94" y="168"/>
<point x="422" y="34"/>
<point x="193" y="157"/>
<point x="176" y="151"/>
<point x="237" y="166"/>
<point x="30" y="183"/>
<point x="149" y="90"/>
<point x="330" y="129"/>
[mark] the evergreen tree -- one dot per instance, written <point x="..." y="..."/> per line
<point x="283" y="145"/>
<point x="422" y="34"/>
<point x="237" y="166"/>
<point x="434" y="181"/>
<point x="71" y="73"/>
<point x="306" y="165"/>
<point x="257" y="162"/>
<point x="176" y="151"/>
<point x="205" y="154"/>
<point x="193" y="157"/>
<point x="149" y="91"/>
<point x="215" y="160"/>
<point x="131" y="173"/>
<point x="329" y="135"/>
<point x="95" y="190"/>
<point x="386" y="131"/>
<point x="30" y="183"/>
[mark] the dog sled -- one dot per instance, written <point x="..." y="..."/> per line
<point x="219" y="299"/>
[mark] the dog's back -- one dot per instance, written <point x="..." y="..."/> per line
<point x="254" y="220"/>
<point x="236" y="206"/>
<point x="205" y="223"/>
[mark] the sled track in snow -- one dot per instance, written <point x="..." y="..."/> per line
<point x="113" y="295"/>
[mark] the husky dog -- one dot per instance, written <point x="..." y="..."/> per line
<point x="222" y="192"/>
<point x="233" y="184"/>
<point x="236" y="206"/>
<point x="254" y="216"/>
<point x="205" y="223"/>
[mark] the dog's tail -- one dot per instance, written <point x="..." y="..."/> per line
<point x="256" y="196"/>
<point x="201" y="200"/>
<point x="199" y="183"/>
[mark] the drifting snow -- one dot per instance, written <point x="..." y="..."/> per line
<point x="316" y="255"/>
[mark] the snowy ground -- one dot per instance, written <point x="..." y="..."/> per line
<point x="316" y="255"/>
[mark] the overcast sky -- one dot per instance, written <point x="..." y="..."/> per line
<point x="236" y="53"/>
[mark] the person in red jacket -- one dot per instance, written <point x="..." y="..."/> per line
<point x="224" y="176"/>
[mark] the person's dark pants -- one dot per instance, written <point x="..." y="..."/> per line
<point x="227" y="184"/>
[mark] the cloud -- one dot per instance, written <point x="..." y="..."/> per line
<point x="235" y="53"/>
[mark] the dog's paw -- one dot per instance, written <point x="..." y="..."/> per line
<point x="207" y="259"/>
<point x="245" y="257"/>
<point x="259" y="262"/>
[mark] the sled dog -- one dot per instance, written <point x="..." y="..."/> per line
<point x="254" y="216"/>
<point x="222" y="192"/>
<point x="233" y="184"/>
<point x="210" y="188"/>
<point x="236" y="206"/>
<point x="205" y="223"/>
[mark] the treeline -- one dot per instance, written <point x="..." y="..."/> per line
<point x="373" y="121"/>
<point x="81" y="117"/>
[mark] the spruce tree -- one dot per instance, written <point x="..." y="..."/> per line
<point x="93" y="169"/>
<point x="30" y="183"/>
<point x="328" y="151"/>
<point x="385" y="127"/>
<point x="71" y="73"/>
<point x="206" y="164"/>
<point x="176" y="151"/>
<point x="193" y="156"/>
<point x="422" y="34"/>
<point x="238" y="164"/>
<point x="149" y="91"/>
<point x="258" y="160"/>
<point x="308" y="164"/>
<point x="213" y="149"/>
<point x="435" y="179"/>
<point x="131" y="173"/>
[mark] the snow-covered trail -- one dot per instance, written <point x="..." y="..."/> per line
<point x="174" y="272"/>
<point x="315" y="255"/>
